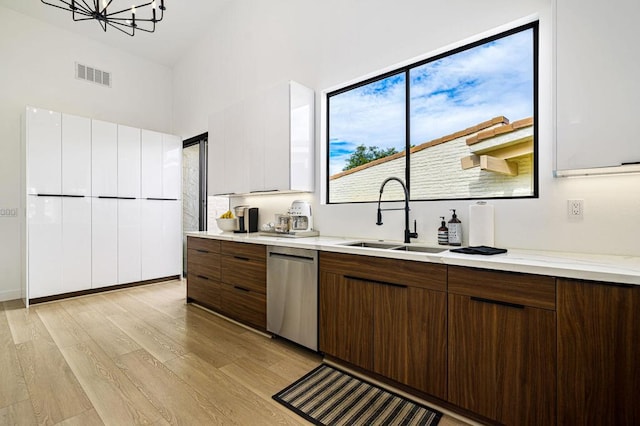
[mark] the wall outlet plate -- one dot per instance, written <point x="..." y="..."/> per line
<point x="575" y="209"/>
<point x="8" y="212"/>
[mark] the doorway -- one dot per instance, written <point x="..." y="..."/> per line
<point x="194" y="188"/>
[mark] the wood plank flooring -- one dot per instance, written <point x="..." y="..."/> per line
<point x="141" y="356"/>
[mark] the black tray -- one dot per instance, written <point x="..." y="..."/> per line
<point x="484" y="250"/>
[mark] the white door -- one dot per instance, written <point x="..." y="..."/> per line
<point x="43" y="136"/>
<point x="128" y="162"/>
<point x="151" y="239"/>
<point x="171" y="167"/>
<point x="129" y="266"/>
<point x="152" y="154"/>
<point x="104" y="242"/>
<point x="44" y="215"/>
<point x="104" y="158"/>
<point x="76" y="244"/>
<point x="76" y="155"/>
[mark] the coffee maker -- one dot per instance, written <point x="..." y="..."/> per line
<point x="247" y="219"/>
<point x="301" y="218"/>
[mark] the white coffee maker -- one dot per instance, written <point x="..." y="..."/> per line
<point x="301" y="218"/>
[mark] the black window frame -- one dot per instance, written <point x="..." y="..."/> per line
<point x="406" y="69"/>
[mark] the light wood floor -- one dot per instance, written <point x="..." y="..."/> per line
<point x="141" y="356"/>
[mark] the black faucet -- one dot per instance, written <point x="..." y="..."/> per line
<point x="407" y="233"/>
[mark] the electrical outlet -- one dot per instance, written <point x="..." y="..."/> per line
<point x="575" y="209"/>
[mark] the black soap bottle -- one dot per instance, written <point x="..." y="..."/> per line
<point x="443" y="233"/>
<point x="455" y="230"/>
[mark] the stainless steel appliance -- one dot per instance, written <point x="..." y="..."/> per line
<point x="301" y="218"/>
<point x="292" y="294"/>
<point x="247" y="219"/>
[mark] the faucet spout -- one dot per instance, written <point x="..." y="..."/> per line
<point x="407" y="232"/>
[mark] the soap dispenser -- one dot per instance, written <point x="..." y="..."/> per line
<point x="443" y="233"/>
<point x="455" y="230"/>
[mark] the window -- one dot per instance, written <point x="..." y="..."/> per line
<point x="461" y="125"/>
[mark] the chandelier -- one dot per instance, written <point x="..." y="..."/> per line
<point x="126" y="20"/>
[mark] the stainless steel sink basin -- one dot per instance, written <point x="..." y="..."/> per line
<point x="420" y="249"/>
<point x="372" y="245"/>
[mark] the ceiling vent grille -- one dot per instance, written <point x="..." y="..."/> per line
<point x="94" y="75"/>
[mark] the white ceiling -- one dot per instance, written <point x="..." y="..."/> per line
<point x="184" y="21"/>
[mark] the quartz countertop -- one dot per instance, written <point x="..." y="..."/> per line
<point x="607" y="268"/>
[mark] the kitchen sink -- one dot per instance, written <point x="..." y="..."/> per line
<point x="419" y="249"/>
<point x="372" y="245"/>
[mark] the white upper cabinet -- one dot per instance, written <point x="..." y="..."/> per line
<point x="597" y="86"/>
<point x="76" y="155"/>
<point x="151" y="164"/>
<point x="104" y="159"/>
<point x="128" y="162"/>
<point x="171" y="167"/>
<point x="44" y="151"/>
<point x="264" y="143"/>
<point x="161" y="166"/>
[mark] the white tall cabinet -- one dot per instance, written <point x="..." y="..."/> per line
<point x="86" y="209"/>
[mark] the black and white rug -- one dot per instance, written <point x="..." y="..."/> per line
<point x="327" y="396"/>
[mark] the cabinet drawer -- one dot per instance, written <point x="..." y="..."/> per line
<point x="203" y="244"/>
<point x="247" y="274"/>
<point x="245" y="306"/>
<point x="256" y="252"/>
<point x="537" y="291"/>
<point x="204" y="291"/>
<point x="203" y="263"/>
<point x="393" y="271"/>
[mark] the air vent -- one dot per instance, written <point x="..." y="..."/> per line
<point x="94" y="75"/>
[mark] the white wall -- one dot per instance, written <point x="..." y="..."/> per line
<point x="38" y="69"/>
<point x="253" y="45"/>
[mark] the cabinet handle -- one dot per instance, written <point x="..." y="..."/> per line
<point x="246" y="290"/>
<point x="497" y="302"/>
<point x="202" y="251"/>
<point x="375" y="281"/>
<point x="161" y="199"/>
<point x="246" y="259"/>
<point x="202" y="277"/>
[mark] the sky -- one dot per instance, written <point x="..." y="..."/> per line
<point x="447" y="95"/>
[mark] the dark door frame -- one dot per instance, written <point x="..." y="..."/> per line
<point x="202" y="141"/>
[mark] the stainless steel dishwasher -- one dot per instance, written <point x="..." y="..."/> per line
<point x="292" y="294"/>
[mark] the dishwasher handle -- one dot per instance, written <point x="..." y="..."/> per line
<point x="293" y="257"/>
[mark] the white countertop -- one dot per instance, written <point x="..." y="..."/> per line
<point x="608" y="268"/>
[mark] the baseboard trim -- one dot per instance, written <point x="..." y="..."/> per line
<point x="100" y="290"/>
<point x="7" y="295"/>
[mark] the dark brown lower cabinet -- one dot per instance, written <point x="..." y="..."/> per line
<point x="384" y="322"/>
<point x="598" y="353"/>
<point x="502" y="353"/>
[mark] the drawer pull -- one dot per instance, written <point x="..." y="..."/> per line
<point x="497" y="302"/>
<point x="202" y="251"/>
<point x="202" y="277"/>
<point x="246" y="290"/>
<point x="246" y="259"/>
<point x="350" y="277"/>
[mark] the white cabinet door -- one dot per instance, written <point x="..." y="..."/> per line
<point x="236" y="150"/>
<point x="172" y="238"/>
<point x="151" y="239"/>
<point x="104" y="242"/>
<point x="277" y="153"/>
<point x="171" y="167"/>
<point x="152" y="154"/>
<point x="44" y="152"/>
<point x="129" y="267"/>
<point x="76" y="155"/>
<point x="76" y="244"/>
<point x="256" y="144"/>
<point x="44" y="216"/>
<point x="216" y="180"/>
<point x="104" y="158"/>
<point x="128" y="161"/>
<point x="302" y="137"/>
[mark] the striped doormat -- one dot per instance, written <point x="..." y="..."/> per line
<point x="327" y="396"/>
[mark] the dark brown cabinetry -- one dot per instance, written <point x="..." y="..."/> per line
<point x="598" y="353"/>
<point x="502" y="345"/>
<point x="387" y="316"/>
<point x="228" y="277"/>
<point x="203" y="272"/>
